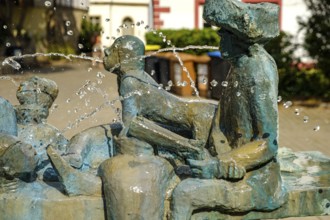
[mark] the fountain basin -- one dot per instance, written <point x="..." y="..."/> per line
<point x="306" y="175"/>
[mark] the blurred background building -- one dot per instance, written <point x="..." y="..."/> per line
<point x="38" y="25"/>
<point x="172" y="14"/>
<point x="59" y="21"/>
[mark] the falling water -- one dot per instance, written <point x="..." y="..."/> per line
<point x="91" y="87"/>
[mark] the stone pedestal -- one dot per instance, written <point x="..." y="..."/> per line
<point x="40" y="201"/>
<point x="306" y="176"/>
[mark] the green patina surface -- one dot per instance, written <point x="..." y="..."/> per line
<point x="172" y="158"/>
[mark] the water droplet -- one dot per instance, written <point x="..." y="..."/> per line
<point x="147" y="27"/>
<point x="90" y="69"/>
<point x="168" y="88"/>
<point x="127" y="56"/>
<point x="160" y="34"/>
<point x="317" y="128"/>
<point x="204" y="81"/>
<point x="170" y="83"/>
<point x="5" y="27"/>
<point x="287" y="104"/>
<point x="82" y="94"/>
<point x="142" y="22"/>
<point x="69" y="32"/>
<point x="235" y="84"/>
<point x="48" y="3"/>
<point x="75" y="110"/>
<point x="164" y="39"/>
<point x="184" y="83"/>
<point x="238" y="94"/>
<point x="12" y="63"/>
<point x="68" y="100"/>
<point x="8" y="44"/>
<point x="224" y="83"/>
<point x="118" y="30"/>
<point x="160" y="86"/>
<point x="306" y="118"/>
<point x="100" y="75"/>
<point x="80" y="46"/>
<point x="214" y="83"/>
<point x="184" y="69"/>
<point x="152" y="72"/>
<point x="252" y="90"/>
<point x="68" y="23"/>
<point x="169" y="42"/>
<point x="279" y="98"/>
<point x="138" y="23"/>
<point x="107" y="19"/>
<point x="84" y="17"/>
<point x="99" y="81"/>
<point x="297" y="111"/>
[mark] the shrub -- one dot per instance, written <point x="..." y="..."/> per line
<point x="63" y="49"/>
<point x="304" y="84"/>
<point x="184" y="37"/>
<point x="295" y="83"/>
<point x="88" y="34"/>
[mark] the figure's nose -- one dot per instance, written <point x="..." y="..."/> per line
<point x="107" y="52"/>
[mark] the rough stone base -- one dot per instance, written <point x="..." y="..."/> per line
<point x="39" y="201"/>
<point x="306" y="175"/>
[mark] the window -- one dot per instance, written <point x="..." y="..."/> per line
<point x="95" y="20"/>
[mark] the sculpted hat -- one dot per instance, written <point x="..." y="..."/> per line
<point x="37" y="90"/>
<point x="253" y="23"/>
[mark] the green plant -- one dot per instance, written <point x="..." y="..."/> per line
<point x="63" y="49"/>
<point x="304" y="84"/>
<point x="295" y="83"/>
<point x="317" y="35"/>
<point x="282" y="49"/>
<point x="184" y="37"/>
<point x="88" y="34"/>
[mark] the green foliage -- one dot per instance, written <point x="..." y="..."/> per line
<point x="317" y="37"/>
<point x="296" y="83"/>
<point x="282" y="49"/>
<point x="58" y="48"/>
<point x="304" y="84"/>
<point x="185" y="37"/>
<point x="88" y="34"/>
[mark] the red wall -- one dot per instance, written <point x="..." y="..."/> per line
<point x="157" y="10"/>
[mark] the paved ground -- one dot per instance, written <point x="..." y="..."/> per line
<point x="295" y="132"/>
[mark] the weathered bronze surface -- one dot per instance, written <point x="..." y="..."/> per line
<point x="171" y="158"/>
